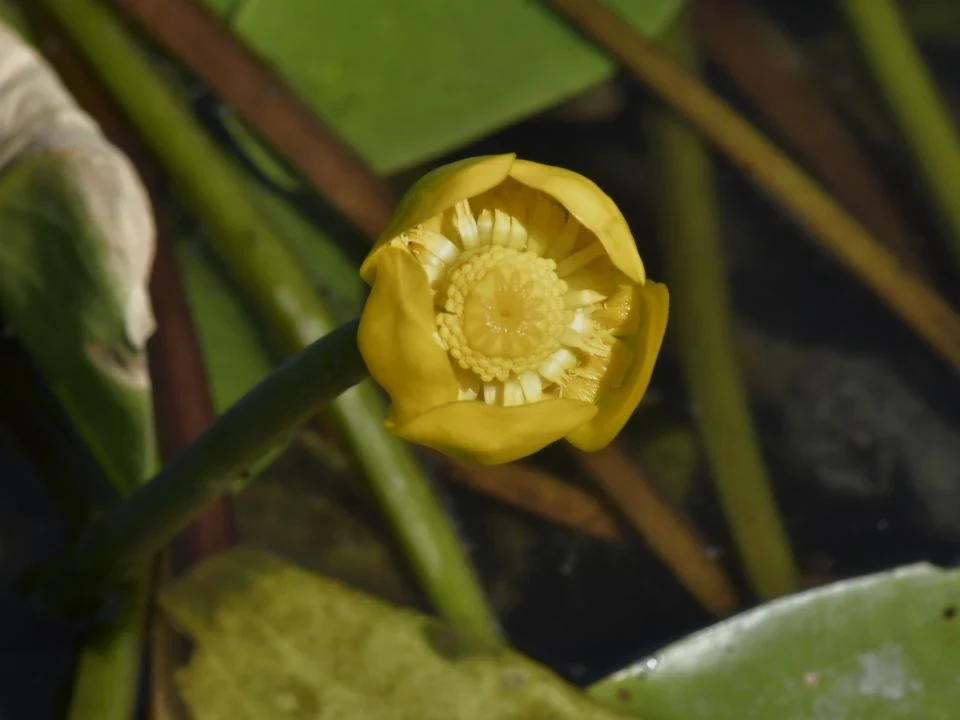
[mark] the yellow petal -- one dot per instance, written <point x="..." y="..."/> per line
<point x="618" y="404"/>
<point x="396" y="337"/>
<point x="492" y="434"/>
<point x="591" y="206"/>
<point x="437" y="191"/>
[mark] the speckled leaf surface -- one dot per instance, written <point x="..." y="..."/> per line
<point x="403" y="82"/>
<point x="276" y="641"/>
<point x="881" y="647"/>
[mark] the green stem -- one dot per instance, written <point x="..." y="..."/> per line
<point x="107" y="676"/>
<point x="131" y="533"/>
<point x="920" y="112"/>
<point x="277" y="286"/>
<point x="700" y="318"/>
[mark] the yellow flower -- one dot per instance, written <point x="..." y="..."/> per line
<point x="509" y="309"/>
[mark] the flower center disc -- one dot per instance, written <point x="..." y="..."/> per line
<point x="502" y="314"/>
<point x="505" y="312"/>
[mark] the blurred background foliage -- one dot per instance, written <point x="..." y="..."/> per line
<point x="797" y="432"/>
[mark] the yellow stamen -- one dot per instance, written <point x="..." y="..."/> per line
<point x="501" y="228"/>
<point x="546" y="222"/>
<point x="582" y="298"/>
<point x="587" y="380"/>
<point x="485" y="226"/>
<point x="579" y="259"/>
<point x="620" y="313"/>
<point x="564" y="241"/>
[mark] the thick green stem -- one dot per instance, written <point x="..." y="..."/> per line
<point x="260" y="262"/>
<point x="137" y="528"/>
<point x="920" y="112"/>
<point x="107" y="677"/>
<point x="700" y="318"/>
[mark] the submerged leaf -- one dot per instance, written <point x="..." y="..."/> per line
<point x="233" y="353"/>
<point x="233" y="345"/>
<point x="275" y="641"/>
<point x="883" y="647"/>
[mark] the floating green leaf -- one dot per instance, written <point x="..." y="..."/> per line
<point x="273" y="640"/>
<point x="402" y="82"/>
<point x="881" y="647"/>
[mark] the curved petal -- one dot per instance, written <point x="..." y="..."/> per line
<point x="618" y="405"/>
<point x="396" y="337"/>
<point x="491" y="434"/>
<point x="591" y="206"/>
<point x="440" y="190"/>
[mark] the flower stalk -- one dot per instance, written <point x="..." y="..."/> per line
<point x="695" y="270"/>
<point x="132" y="532"/>
<point x="919" y="110"/>
<point x="256" y="255"/>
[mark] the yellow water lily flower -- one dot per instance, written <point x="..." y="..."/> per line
<point x="509" y="309"/>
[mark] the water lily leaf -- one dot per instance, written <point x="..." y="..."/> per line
<point x="76" y="244"/>
<point x="288" y="513"/>
<point x="883" y="647"/>
<point x="403" y="82"/>
<point x="274" y="640"/>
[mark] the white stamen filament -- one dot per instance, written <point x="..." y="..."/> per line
<point x="501" y="228"/>
<point x="485" y="227"/>
<point x="433" y="265"/>
<point x="438" y="245"/>
<point x="532" y="386"/>
<point x="512" y="393"/>
<point x="557" y="365"/>
<point x="466" y="225"/>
